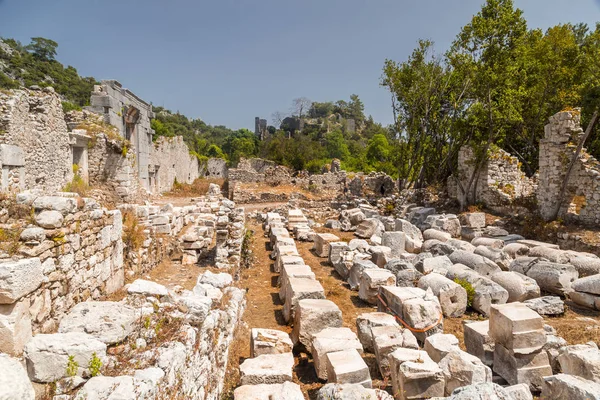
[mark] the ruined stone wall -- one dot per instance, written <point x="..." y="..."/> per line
<point x="214" y="168"/>
<point x="172" y="161"/>
<point x="33" y="121"/>
<point x="70" y="251"/>
<point x="500" y="180"/>
<point x="582" y="198"/>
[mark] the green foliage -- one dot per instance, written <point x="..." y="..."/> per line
<point x="72" y="366"/>
<point x="68" y="106"/>
<point x="77" y="184"/>
<point x="95" y="365"/>
<point x="468" y="288"/>
<point x="42" y="48"/>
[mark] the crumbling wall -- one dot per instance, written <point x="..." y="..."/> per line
<point x="214" y="168"/>
<point x="172" y="161"/>
<point x="33" y="121"/>
<point x="581" y="201"/>
<point x="500" y="180"/>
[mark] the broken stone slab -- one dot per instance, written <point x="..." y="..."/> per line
<point x="493" y="243"/>
<point x="14" y="383"/>
<point x="347" y="366"/>
<point x="281" y="391"/>
<point x="15" y="327"/>
<point x="467" y="233"/>
<point x="517" y="327"/>
<point x="581" y="360"/>
<point x="435" y="234"/>
<point x="369" y="227"/>
<point x="109" y="387"/>
<point x="437" y="248"/>
<point x="358" y="266"/>
<point x="588" y="284"/>
<point x="439" y="264"/>
<point x="108" y="321"/>
<point x="585" y="300"/>
<point x="321" y="243"/>
<point x="19" y="278"/>
<point x="267" y="369"/>
<point x="585" y="265"/>
<point x="413" y="235"/>
<point x="519" y="392"/>
<point x="359" y="244"/>
<point x="336" y="391"/>
<point x="501" y="258"/>
<point x="370" y="282"/>
<point x="269" y="341"/>
<point x="564" y="386"/>
<point x="479" y="264"/>
<point x="147" y="288"/>
<point x="401" y="356"/>
<point x="380" y="255"/>
<point x="550" y="277"/>
<point x="482" y="391"/>
<point x="521" y="368"/>
<point x="462" y="369"/>
<point x="420" y="380"/>
<point x="439" y="345"/>
<point x="47" y="355"/>
<point x="452" y="296"/>
<point x="295" y="271"/>
<point x="473" y="220"/>
<point x="478" y="341"/>
<point x="312" y="316"/>
<point x="219" y="280"/>
<point x="461" y="245"/>
<point x="418" y="308"/>
<point x="330" y="340"/>
<point x="287" y="260"/>
<point x="553" y="347"/>
<point x="365" y="322"/>
<point x="386" y="339"/>
<point x="515" y="250"/>
<point x="487" y="292"/>
<point x="445" y="222"/>
<point x="519" y="287"/>
<point x="336" y="250"/>
<point x="299" y="289"/>
<point x="395" y="241"/>
<point x="550" y="254"/>
<point x="546" y="305"/>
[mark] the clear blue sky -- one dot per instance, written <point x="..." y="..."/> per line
<point x="227" y="61"/>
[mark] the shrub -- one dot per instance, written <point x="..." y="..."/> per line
<point x="72" y="366"/>
<point x="95" y="365"/>
<point x="133" y="232"/>
<point x="469" y="288"/>
<point x="77" y="185"/>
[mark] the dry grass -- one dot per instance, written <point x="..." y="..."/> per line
<point x="577" y="325"/>
<point x="133" y="232"/>
<point x="197" y="188"/>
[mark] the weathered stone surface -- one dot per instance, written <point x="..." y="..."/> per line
<point x="589" y="284"/>
<point x="15" y="327"/>
<point x="365" y="322"/>
<point x="369" y="227"/>
<point x="321" y="243"/>
<point x="473" y="220"/>
<point x="501" y="258"/>
<point x="196" y="306"/>
<point x="312" y="316"/>
<point x="336" y="391"/>
<point x="479" y="264"/>
<point x="330" y="340"/>
<point x="436" y="234"/>
<point x="124" y="387"/>
<point x="553" y="347"/>
<point x="19" y="278"/>
<point x="518" y="286"/>
<point x="452" y="296"/>
<point x="380" y="255"/>
<point x="386" y="339"/>
<point x="269" y="341"/>
<point x="481" y="391"/>
<point x="267" y="369"/>
<point x="420" y="380"/>
<point x="487" y="292"/>
<point x="347" y="366"/>
<point x="336" y="250"/>
<point x="478" y="341"/>
<point x="439" y="264"/>
<point x="488" y="242"/>
<point x="550" y="254"/>
<point x="551" y="277"/>
<point x="463" y="369"/>
<point x="14" y="383"/>
<point x="283" y="391"/>
<point x="515" y="250"/>
<point x="517" y="327"/>
<point x="521" y="368"/>
<point x="219" y="280"/>
<point x="519" y="392"/>
<point x="581" y="360"/>
<point x="295" y="271"/>
<point x="445" y="222"/>
<point x="49" y="219"/>
<point x="47" y="356"/>
<point x="439" y="345"/>
<point x="547" y="305"/>
<point x="395" y="241"/>
<point x="356" y="271"/>
<point x="147" y="288"/>
<point x="564" y="386"/>
<point x="370" y="282"/>
<point x="107" y="321"/>
<point x="299" y="289"/>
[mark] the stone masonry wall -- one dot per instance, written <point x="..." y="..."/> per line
<point x="33" y="120"/>
<point x="582" y="198"/>
<point x="172" y="161"/>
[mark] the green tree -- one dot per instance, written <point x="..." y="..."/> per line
<point x="336" y="146"/>
<point x="42" y="48"/>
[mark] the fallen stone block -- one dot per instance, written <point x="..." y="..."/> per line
<point x="15" y="327"/>
<point x="19" y="278"/>
<point x="436" y="234"/>
<point x="356" y="271"/>
<point x="461" y="245"/>
<point x="517" y="327"/>
<point x="368" y="228"/>
<point x="564" y="386"/>
<point x="588" y="284"/>
<point x="421" y="380"/>
<point x="386" y="339"/>
<point x="445" y="222"/>
<point x="269" y="341"/>
<point x="47" y="355"/>
<point x="147" y="288"/>
<point x="518" y="286"/>
<point x="312" y="316"/>
<point x="463" y="369"/>
<point x="108" y="321"/>
<point x="395" y="241"/>
<point x="336" y="391"/>
<point x="521" y="368"/>
<point x="553" y="347"/>
<point x="546" y="305"/>
<point x="515" y="250"/>
<point x="439" y="345"/>
<point x="586" y="300"/>
<point x="281" y="391"/>
<point x="401" y="356"/>
<point x="347" y="366"/>
<point x="322" y="242"/>
<point x="477" y="263"/>
<point x="473" y="220"/>
<point x="336" y="250"/>
<point x="439" y="264"/>
<point x="478" y="341"/>
<point x="501" y="258"/>
<point x="380" y="255"/>
<point x="550" y="277"/>
<point x="452" y="296"/>
<point x="299" y="289"/>
<point x="14" y="383"/>
<point x="581" y="360"/>
<point x="367" y="321"/>
<point x="481" y="391"/>
<point x="370" y="282"/>
<point x="267" y="369"/>
<point x="330" y="340"/>
<point x="488" y="242"/>
<point x="283" y="251"/>
<point x="294" y="271"/>
<point x="550" y="254"/>
<point x="585" y="265"/>
<point x="519" y="392"/>
<point x="287" y="260"/>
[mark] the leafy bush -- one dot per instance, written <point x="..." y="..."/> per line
<point x="469" y="289"/>
<point x="72" y="366"/>
<point x="95" y="365"/>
